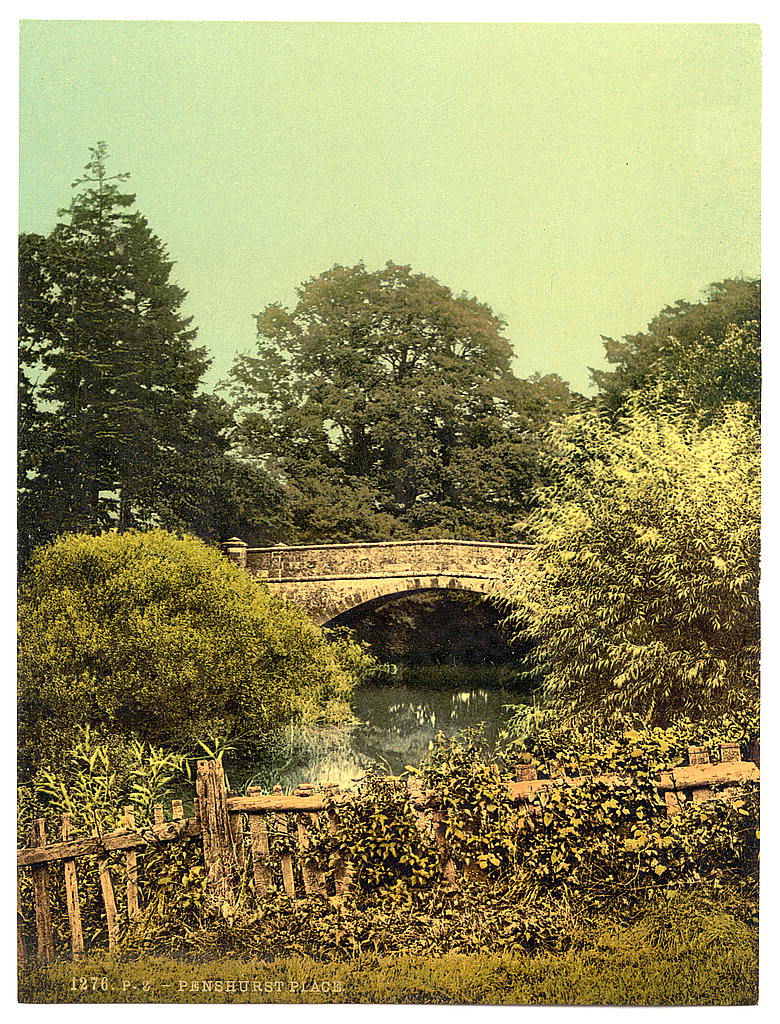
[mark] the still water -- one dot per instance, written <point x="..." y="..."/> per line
<point x="396" y="726"/>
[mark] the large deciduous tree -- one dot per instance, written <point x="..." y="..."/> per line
<point x="387" y="407"/>
<point x="113" y="427"/>
<point x="704" y="354"/>
<point x="641" y="596"/>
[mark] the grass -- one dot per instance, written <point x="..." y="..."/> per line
<point x="623" y="968"/>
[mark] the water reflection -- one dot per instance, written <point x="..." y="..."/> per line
<point x="396" y="726"/>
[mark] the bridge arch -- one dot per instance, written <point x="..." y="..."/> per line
<point x="327" y="580"/>
<point x="324" y="608"/>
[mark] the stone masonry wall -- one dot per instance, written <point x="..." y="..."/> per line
<point x="402" y="558"/>
<point x="328" y="579"/>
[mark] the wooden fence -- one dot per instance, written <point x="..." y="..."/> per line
<point x="278" y="840"/>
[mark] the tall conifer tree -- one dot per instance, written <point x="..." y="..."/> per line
<point x="114" y="431"/>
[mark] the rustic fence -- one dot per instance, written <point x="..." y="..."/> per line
<point x="271" y="829"/>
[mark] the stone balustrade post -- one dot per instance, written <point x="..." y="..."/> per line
<point x="235" y="549"/>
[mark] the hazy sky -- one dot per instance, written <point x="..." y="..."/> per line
<point x="575" y="177"/>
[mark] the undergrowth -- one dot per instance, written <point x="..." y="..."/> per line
<point x="599" y="870"/>
<point x="678" y="949"/>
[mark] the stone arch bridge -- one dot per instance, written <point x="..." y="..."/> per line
<point x="327" y="580"/>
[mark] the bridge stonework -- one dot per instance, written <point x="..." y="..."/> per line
<point x="326" y="580"/>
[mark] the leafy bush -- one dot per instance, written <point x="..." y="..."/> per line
<point x="602" y="844"/>
<point x="535" y="735"/>
<point x="379" y="836"/>
<point x="471" y="795"/>
<point x="610" y="842"/>
<point x="161" y="637"/>
<point x="97" y="779"/>
<point x="100" y="776"/>
<point x="641" y="595"/>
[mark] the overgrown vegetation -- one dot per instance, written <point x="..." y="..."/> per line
<point x="530" y="879"/>
<point x="161" y="638"/>
<point x="682" y="950"/>
<point x="641" y="595"/>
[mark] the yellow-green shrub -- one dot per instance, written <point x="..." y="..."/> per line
<point x="641" y="595"/>
<point x="162" y="637"/>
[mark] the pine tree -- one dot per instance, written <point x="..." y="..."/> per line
<point x="112" y="425"/>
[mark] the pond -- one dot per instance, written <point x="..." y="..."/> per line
<point x="396" y="724"/>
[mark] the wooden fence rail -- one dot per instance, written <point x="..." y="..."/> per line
<point x="274" y="828"/>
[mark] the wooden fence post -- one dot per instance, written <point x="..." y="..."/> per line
<point x="109" y="899"/>
<point x="21" y="950"/>
<point x="40" y="877"/>
<point x="218" y="850"/>
<point x="258" y="834"/>
<point x="698" y="755"/>
<point x="236" y="825"/>
<point x="342" y="869"/>
<point x="448" y="869"/>
<point x="285" y="857"/>
<point x="131" y="866"/>
<point x="72" y="894"/>
<point x="673" y="801"/>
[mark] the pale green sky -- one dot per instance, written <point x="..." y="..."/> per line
<point x="574" y="177"/>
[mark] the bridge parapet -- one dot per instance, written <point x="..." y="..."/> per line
<point x="329" y="579"/>
<point x="383" y="558"/>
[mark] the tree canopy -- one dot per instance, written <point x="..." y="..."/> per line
<point x="705" y="354"/>
<point x="114" y="428"/>
<point x="162" y="637"/>
<point x="387" y="407"/>
<point x="641" y="596"/>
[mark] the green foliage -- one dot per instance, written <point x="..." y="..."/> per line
<point x="706" y="353"/>
<point x="536" y="736"/>
<point x="453" y="678"/>
<point x="163" y="638"/>
<point x="481" y="821"/>
<point x="101" y="777"/>
<point x="387" y="407"/>
<point x="379" y="836"/>
<point x="206" y="490"/>
<point x="641" y="596"/>
<point x="95" y="782"/>
<point x="599" y="869"/>
<point x="703" y="375"/>
<point x="602" y="845"/>
<point x="113" y="429"/>
<point x="680" y="951"/>
<point x="605" y="843"/>
<point x="609" y="842"/>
